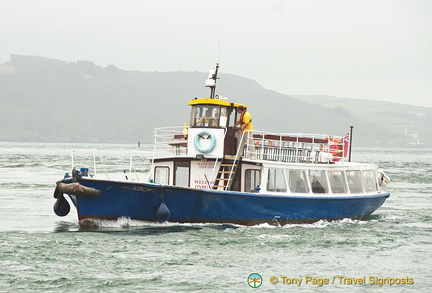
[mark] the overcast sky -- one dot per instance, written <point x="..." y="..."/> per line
<point x="373" y="49"/>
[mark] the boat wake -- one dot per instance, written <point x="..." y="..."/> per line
<point x="127" y="225"/>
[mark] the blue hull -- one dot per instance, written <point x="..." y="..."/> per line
<point x="141" y="201"/>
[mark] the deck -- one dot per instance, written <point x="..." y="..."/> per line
<point x="261" y="145"/>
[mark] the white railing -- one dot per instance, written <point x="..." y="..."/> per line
<point x="261" y="145"/>
<point x="296" y="147"/>
<point x="120" y="164"/>
<point x="171" y="141"/>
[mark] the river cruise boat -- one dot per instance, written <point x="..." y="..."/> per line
<point x="211" y="172"/>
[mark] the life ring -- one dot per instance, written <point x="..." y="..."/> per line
<point x="202" y="135"/>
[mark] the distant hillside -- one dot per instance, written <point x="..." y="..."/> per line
<point x="52" y="100"/>
<point x="403" y="124"/>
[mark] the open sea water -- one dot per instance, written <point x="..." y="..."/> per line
<point x="40" y="252"/>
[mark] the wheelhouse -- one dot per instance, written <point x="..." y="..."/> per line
<point x="213" y="113"/>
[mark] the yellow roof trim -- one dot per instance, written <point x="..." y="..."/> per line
<point x="213" y="102"/>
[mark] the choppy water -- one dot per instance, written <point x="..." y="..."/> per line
<point x="40" y="252"/>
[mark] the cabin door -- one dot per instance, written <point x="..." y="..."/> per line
<point x="230" y="142"/>
<point x="181" y="174"/>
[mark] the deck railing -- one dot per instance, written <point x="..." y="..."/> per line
<point x="130" y="165"/>
<point x="169" y="141"/>
<point x="295" y="147"/>
<point x="261" y="145"/>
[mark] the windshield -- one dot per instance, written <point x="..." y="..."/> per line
<point x="205" y="116"/>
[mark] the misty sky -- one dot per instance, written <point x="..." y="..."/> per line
<point x="371" y="49"/>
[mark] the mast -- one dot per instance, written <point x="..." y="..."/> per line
<point x="211" y="81"/>
<point x="350" y="143"/>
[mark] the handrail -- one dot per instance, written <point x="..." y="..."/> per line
<point x="93" y="151"/>
<point x="285" y="147"/>
<point x="98" y="154"/>
<point x="297" y="147"/>
<point x="236" y="158"/>
<point x="213" y="176"/>
<point x="172" y="136"/>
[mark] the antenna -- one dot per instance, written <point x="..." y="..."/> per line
<point x="211" y="81"/>
<point x="219" y="51"/>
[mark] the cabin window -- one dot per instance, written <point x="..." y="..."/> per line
<point x="276" y="180"/>
<point x="355" y="181"/>
<point x="223" y="117"/>
<point x="337" y="182"/>
<point x="161" y="175"/>
<point x="318" y="181"/>
<point x="297" y="181"/>
<point x="181" y="176"/>
<point x="195" y="114"/>
<point x="205" y="116"/>
<point x="252" y="180"/>
<point x="370" y="181"/>
<point x="232" y="116"/>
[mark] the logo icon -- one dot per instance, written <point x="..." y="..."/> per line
<point x="254" y="280"/>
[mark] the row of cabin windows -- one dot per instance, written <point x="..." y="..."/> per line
<point x="181" y="176"/>
<point x="296" y="181"/>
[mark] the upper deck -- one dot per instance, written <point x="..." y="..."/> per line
<point x="212" y="133"/>
<point x="258" y="145"/>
